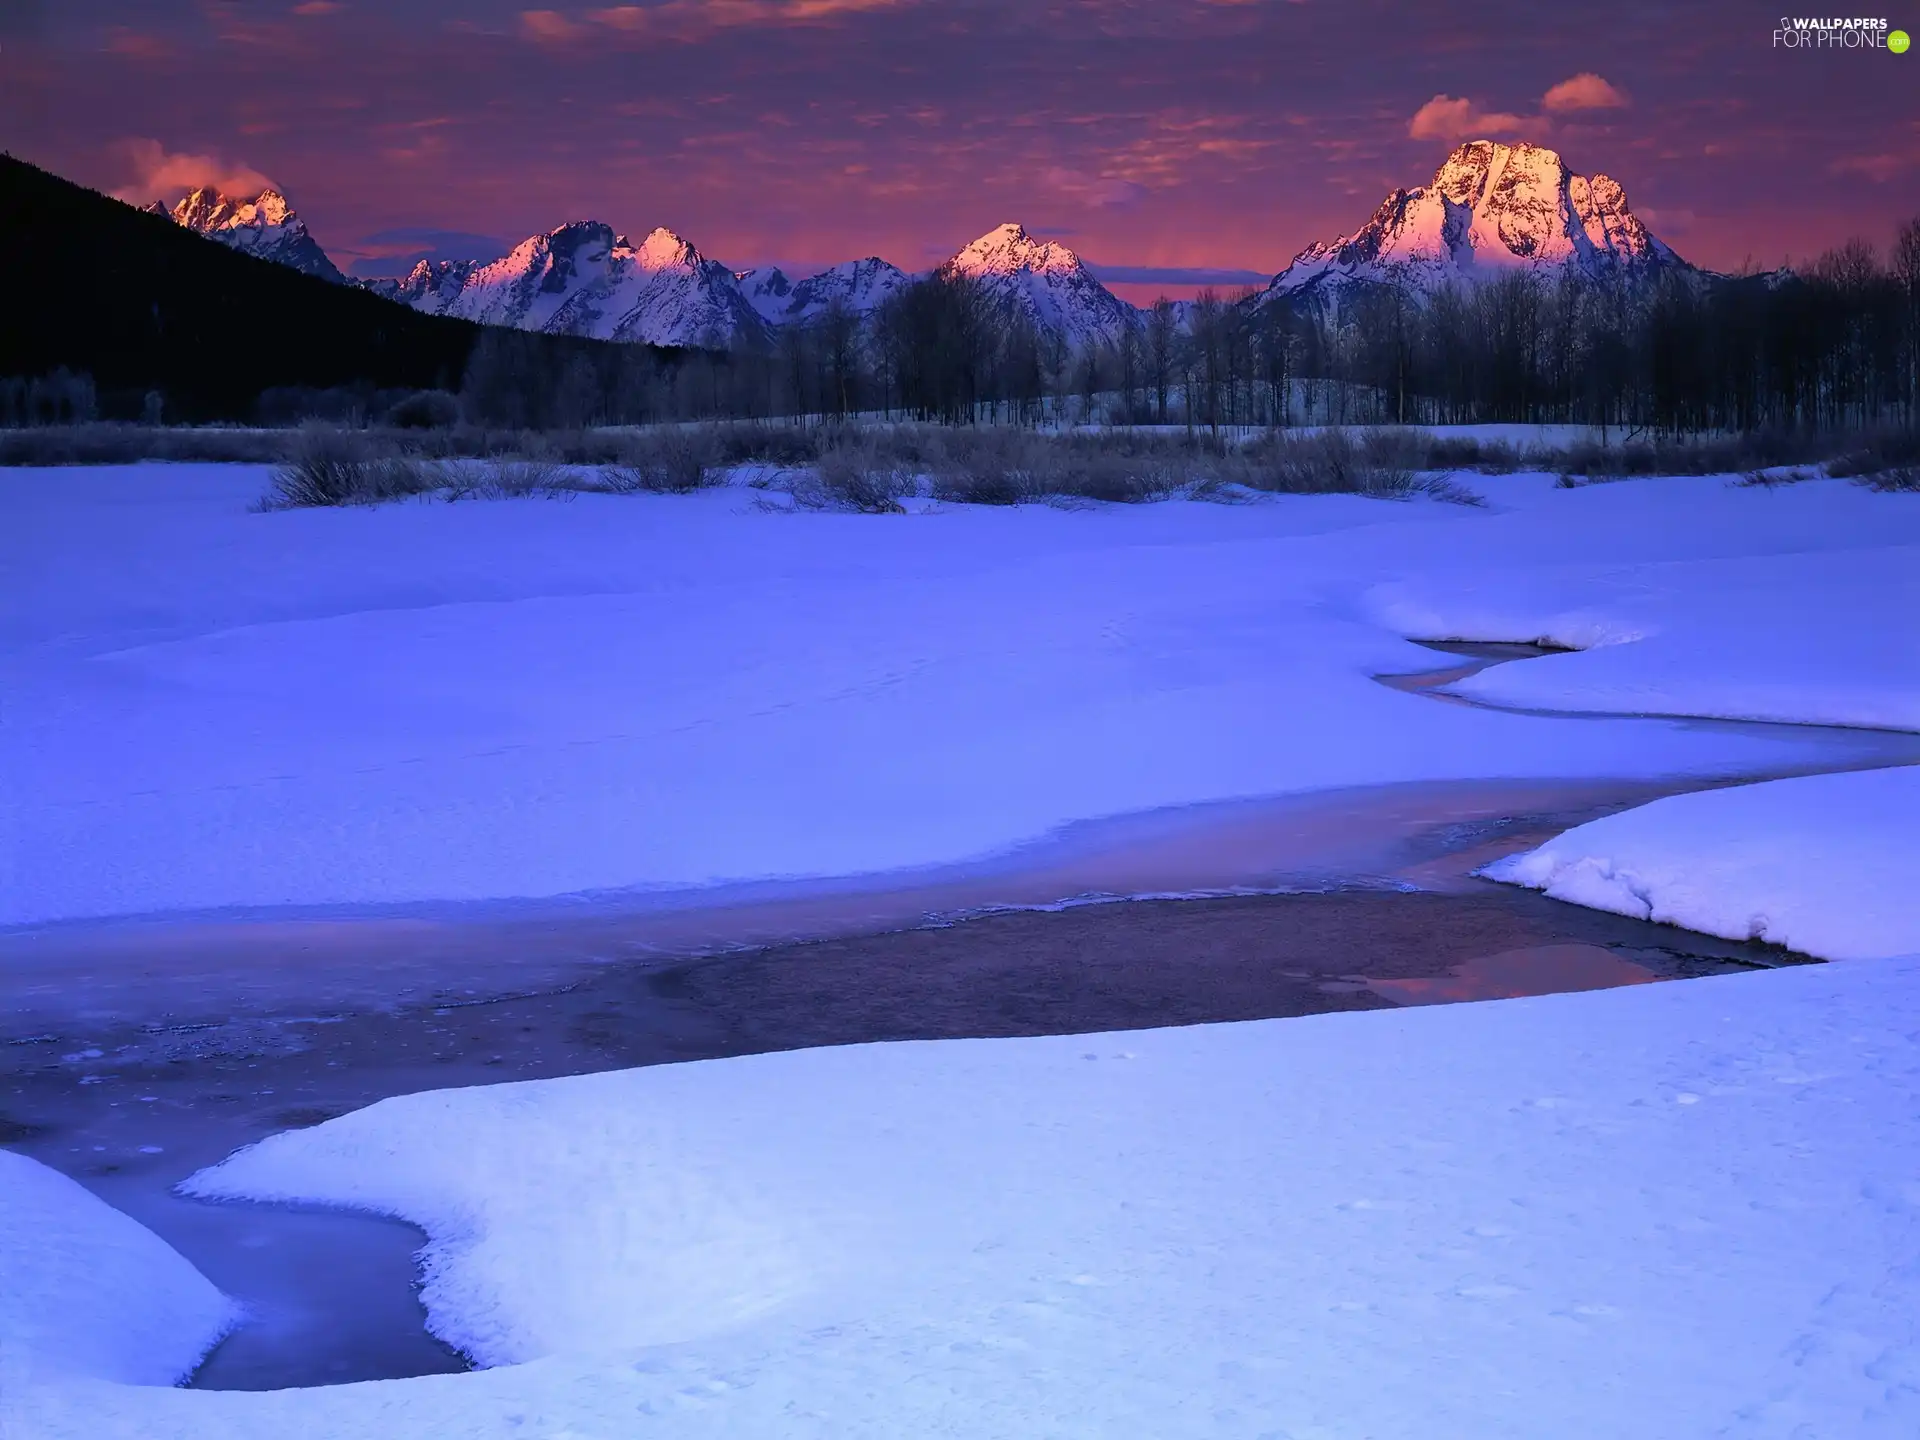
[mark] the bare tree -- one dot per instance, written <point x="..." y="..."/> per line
<point x="1163" y="343"/>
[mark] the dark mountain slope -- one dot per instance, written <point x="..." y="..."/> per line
<point x="141" y="304"/>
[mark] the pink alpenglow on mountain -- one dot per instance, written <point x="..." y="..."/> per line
<point x="1045" y="283"/>
<point x="583" y="279"/>
<point x="1490" y="209"/>
<point x="265" y="226"/>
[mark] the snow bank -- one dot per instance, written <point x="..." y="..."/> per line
<point x="1820" y="626"/>
<point x="1825" y="864"/>
<point x="209" y="707"/>
<point x="86" y="1292"/>
<point x="1562" y="1216"/>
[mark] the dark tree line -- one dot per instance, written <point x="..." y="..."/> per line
<point x="938" y="350"/>
<point x="1835" y="347"/>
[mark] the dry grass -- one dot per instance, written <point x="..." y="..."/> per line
<point x="332" y="467"/>
<point x="672" y="462"/>
<point x="854" y="473"/>
<point x="1382" y="464"/>
<point x="113" y="443"/>
<point x="1856" y="455"/>
<point x="873" y="468"/>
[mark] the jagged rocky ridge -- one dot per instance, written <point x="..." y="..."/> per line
<point x="583" y="279"/>
<point x="858" y="286"/>
<point x="265" y="226"/>
<point x="1492" y="208"/>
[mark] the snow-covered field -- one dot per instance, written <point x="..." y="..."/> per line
<point x="1815" y="634"/>
<point x="208" y="707"/>
<point x="1679" y="1210"/>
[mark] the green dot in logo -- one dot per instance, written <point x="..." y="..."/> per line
<point x="1897" y="41"/>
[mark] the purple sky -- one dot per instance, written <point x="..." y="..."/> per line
<point x="1149" y="135"/>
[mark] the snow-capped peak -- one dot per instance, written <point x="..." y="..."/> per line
<point x="1009" y="250"/>
<point x="664" y="250"/>
<point x="208" y="209"/>
<point x="1490" y="207"/>
<point x="263" y="225"/>
<point x="767" y="289"/>
<point x="1043" y="283"/>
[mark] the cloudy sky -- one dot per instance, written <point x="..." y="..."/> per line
<point x="1167" y="141"/>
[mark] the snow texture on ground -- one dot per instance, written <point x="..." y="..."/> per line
<point x="1825" y="864"/>
<point x="87" y="1294"/>
<point x="1827" y="636"/>
<point x="210" y="707"/>
<point x="1665" y="1211"/>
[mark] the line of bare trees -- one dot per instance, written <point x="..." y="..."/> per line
<point x="1836" y="346"/>
<point x="59" y="398"/>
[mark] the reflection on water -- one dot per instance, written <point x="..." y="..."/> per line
<point x="1535" y="970"/>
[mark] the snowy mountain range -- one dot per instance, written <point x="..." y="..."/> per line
<point x="1491" y="209"/>
<point x="584" y="279"/>
<point x="265" y="226"/>
<point x="859" y="286"/>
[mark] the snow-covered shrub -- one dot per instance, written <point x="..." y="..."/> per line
<point x="504" y="479"/>
<point x="747" y="442"/>
<point x="326" y="468"/>
<point x="1899" y="477"/>
<point x="1119" y="478"/>
<point x="1889" y="460"/>
<point x="1695" y="455"/>
<point x="673" y="461"/>
<point x="117" y="443"/>
<point x="1385" y="464"/>
<point x="990" y="467"/>
<point x="994" y="466"/>
<point x="855" y="474"/>
<point x="330" y="466"/>
<point x="1330" y="462"/>
<point x="1467" y="452"/>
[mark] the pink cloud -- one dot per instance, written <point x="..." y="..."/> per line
<point x="137" y="44"/>
<point x="690" y="19"/>
<point x="548" y="27"/>
<point x="1877" y="168"/>
<point x="1585" y="91"/>
<point x="1446" y="118"/>
<point x="160" y="174"/>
